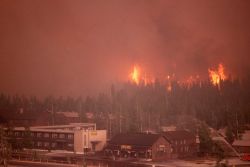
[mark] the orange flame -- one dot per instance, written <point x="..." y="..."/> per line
<point x="135" y="75"/>
<point x="138" y="76"/>
<point x="216" y="76"/>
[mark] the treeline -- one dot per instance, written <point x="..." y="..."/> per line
<point x="143" y="108"/>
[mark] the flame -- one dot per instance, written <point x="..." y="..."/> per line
<point x="135" y="75"/>
<point x="138" y="76"/>
<point x="216" y="76"/>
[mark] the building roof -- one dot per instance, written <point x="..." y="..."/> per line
<point x="245" y="143"/>
<point x="59" y="128"/>
<point x="69" y="114"/>
<point x="71" y="125"/>
<point x="179" y="135"/>
<point x="138" y="139"/>
<point x="43" y="130"/>
<point x="246" y="135"/>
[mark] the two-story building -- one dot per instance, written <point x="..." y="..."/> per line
<point x="139" y="145"/>
<point x="77" y="137"/>
<point x="183" y="143"/>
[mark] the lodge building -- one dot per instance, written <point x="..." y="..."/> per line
<point x="183" y="143"/>
<point x="157" y="147"/>
<point x="139" y="145"/>
<point x="77" y="137"/>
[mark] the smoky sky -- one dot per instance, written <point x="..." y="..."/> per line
<point x="61" y="47"/>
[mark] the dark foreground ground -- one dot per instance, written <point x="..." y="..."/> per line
<point x="233" y="162"/>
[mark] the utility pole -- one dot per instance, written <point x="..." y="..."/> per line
<point x="120" y="120"/>
<point x="53" y="115"/>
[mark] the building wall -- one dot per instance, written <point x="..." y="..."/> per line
<point x="161" y="150"/>
<point x="183" y="147"/>
<point x="44" y="140"/>
<point x="99" y="137"/>
<point x="71" y="138"/>
<point x="78" y="141"/>
<point x="85" y="139"/>
<point x="242" y="149"/>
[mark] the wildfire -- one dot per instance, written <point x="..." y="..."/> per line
<point x="217" y="75"/>
<point x="137" y="76"/>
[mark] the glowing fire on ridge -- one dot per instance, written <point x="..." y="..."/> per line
<point x="138" y="76"/>
<point x="217" y="75"/>
<point x="135" y="75"/>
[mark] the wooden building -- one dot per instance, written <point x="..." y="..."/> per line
<point x="242" y="146"/>
<point x="183" y="143"/>
<point x="139" y="145"/>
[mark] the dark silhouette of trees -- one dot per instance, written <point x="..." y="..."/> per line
<point x="131" y="107"/>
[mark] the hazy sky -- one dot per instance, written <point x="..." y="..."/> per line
<point x="80" y="47"/>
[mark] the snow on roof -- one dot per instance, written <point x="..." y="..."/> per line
<point x="241" y="143"/>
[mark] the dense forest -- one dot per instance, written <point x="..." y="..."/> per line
<point x="141" y="107"/>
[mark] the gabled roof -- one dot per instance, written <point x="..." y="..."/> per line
<point x="179" y="135"/>
<point x="138" y="139"/>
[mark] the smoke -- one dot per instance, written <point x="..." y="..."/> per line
<point x="80" y="47"/>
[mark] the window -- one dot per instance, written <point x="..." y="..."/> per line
<point x="70" y="145"/>
<point x="39" y="134"/>
<point x="54" y="135"/>
<point x="85" y="138"/>
<point x="61" y="136"/>
<point x="32" y="134"/>
<point x="53" y="145"/>
<point x="162" y="148"/>
<point x="46" y="135"/>
<point x="17" y="134"/>
<point x="10" y="133"/>
<point x="39" y="144"/>
<point x="70" y="136"/>
<point x="46" y="144"/>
